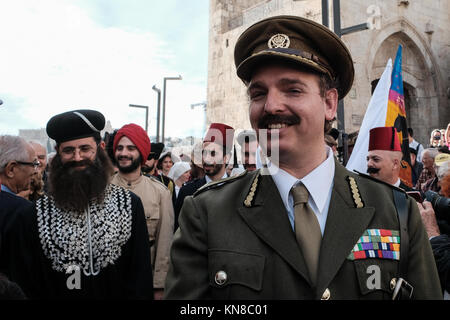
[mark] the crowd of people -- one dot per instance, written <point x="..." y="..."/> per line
<point x="241" y="216"/>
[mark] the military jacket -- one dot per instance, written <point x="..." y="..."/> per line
<point x="235" y="242"/>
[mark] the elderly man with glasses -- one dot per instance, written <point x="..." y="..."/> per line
<point x="17" y="167"/>
<point x="18" y="164"/>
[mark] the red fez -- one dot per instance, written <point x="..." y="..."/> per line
<point x="139" y="137"/>
<point x="221" y="134"/>
<point x="384" y="138"/>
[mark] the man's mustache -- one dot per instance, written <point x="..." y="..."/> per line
<point x="124" y="158"/>
<point x="75" y="164"/>
<point x="268" y="119"/>
<point x="372" y="170"/>
<point x="208" y="164"/>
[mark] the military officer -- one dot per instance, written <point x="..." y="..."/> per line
<point x="305" y="227"/>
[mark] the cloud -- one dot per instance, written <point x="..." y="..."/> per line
<point x="55" y="57"/>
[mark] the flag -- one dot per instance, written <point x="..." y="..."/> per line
<point x="396" y="116"/>
<point x="375" y="116"/>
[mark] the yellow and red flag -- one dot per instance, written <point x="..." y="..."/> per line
<point x="396" y="116"/>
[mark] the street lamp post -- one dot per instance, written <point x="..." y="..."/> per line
<point x="164" y="104"/>
<point x="340" y="32"/>
<point x="203" y="104"/>
<point x="158" y="111"/>
<point x="146" y="114"/>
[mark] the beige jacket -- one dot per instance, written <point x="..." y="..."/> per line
<point x="159" y="214"/>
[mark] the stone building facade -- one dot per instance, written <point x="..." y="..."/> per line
<point x="421" y="27"/>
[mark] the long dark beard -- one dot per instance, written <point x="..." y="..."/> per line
<point x="73" y="188"/>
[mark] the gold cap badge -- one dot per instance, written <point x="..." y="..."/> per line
<point x="279" y="41"/>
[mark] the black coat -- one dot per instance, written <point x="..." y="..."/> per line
<point x="129" y="277"/>
<point x="441" y="251"/>
<point x="13" y="209"/>
<point x="187" y="190"/>
<point x="415" y="171"/>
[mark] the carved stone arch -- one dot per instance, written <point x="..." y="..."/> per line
<point x="422" y="81"/>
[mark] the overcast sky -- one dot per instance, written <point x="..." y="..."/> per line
<point x="60" y="55"/>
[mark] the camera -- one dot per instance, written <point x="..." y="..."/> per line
<point x="441" y="205"/>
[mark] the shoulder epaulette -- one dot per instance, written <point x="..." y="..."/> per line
<point x="218" y="183"/>
<point x="378" y="180"/>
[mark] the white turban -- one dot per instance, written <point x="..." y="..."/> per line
<point x="178" y="169"/>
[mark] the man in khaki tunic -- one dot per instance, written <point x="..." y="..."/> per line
<point x="131" y="148"/>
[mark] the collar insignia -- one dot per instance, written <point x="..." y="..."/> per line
<point x="251" y="194"/>
<point x="355" y="193"/>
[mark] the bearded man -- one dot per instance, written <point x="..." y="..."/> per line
<point x="216" y="151"/>
<point x="249" y="147"/>
<point x="91" y="235"/>
<point x="131" y="149"/>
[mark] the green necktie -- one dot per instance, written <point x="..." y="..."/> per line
<point x="307" y="230"/>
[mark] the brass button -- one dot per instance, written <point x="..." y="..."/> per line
<point x="326" y="294"/>
<point x="393" y="283"/>
<point x="220" y="278"/>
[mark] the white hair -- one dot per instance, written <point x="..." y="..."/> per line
<point x="432" y="152"/>
<point x="443" y="170"/>
<point x="12" y="148"/>
<point x="35" y="142"/>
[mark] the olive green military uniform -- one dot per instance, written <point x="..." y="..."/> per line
<point x="235" y="242"/>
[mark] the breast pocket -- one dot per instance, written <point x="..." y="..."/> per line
<point x="375" y="277"/>
<point x="235" y="274"/>
<point x="152" y="218"/>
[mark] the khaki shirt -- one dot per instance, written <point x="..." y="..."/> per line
<point x="157" y="202"/>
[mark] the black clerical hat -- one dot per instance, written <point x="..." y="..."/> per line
<point x="75" y="124"/>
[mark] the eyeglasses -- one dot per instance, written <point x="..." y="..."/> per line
<point x="84" y="151"/>
<point x="34" y="164"/>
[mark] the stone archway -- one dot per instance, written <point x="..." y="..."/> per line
<point x="420" y="77"/>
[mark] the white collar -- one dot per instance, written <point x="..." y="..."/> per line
<point x="318" y="181"/>
<point x="397" y="183"/>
